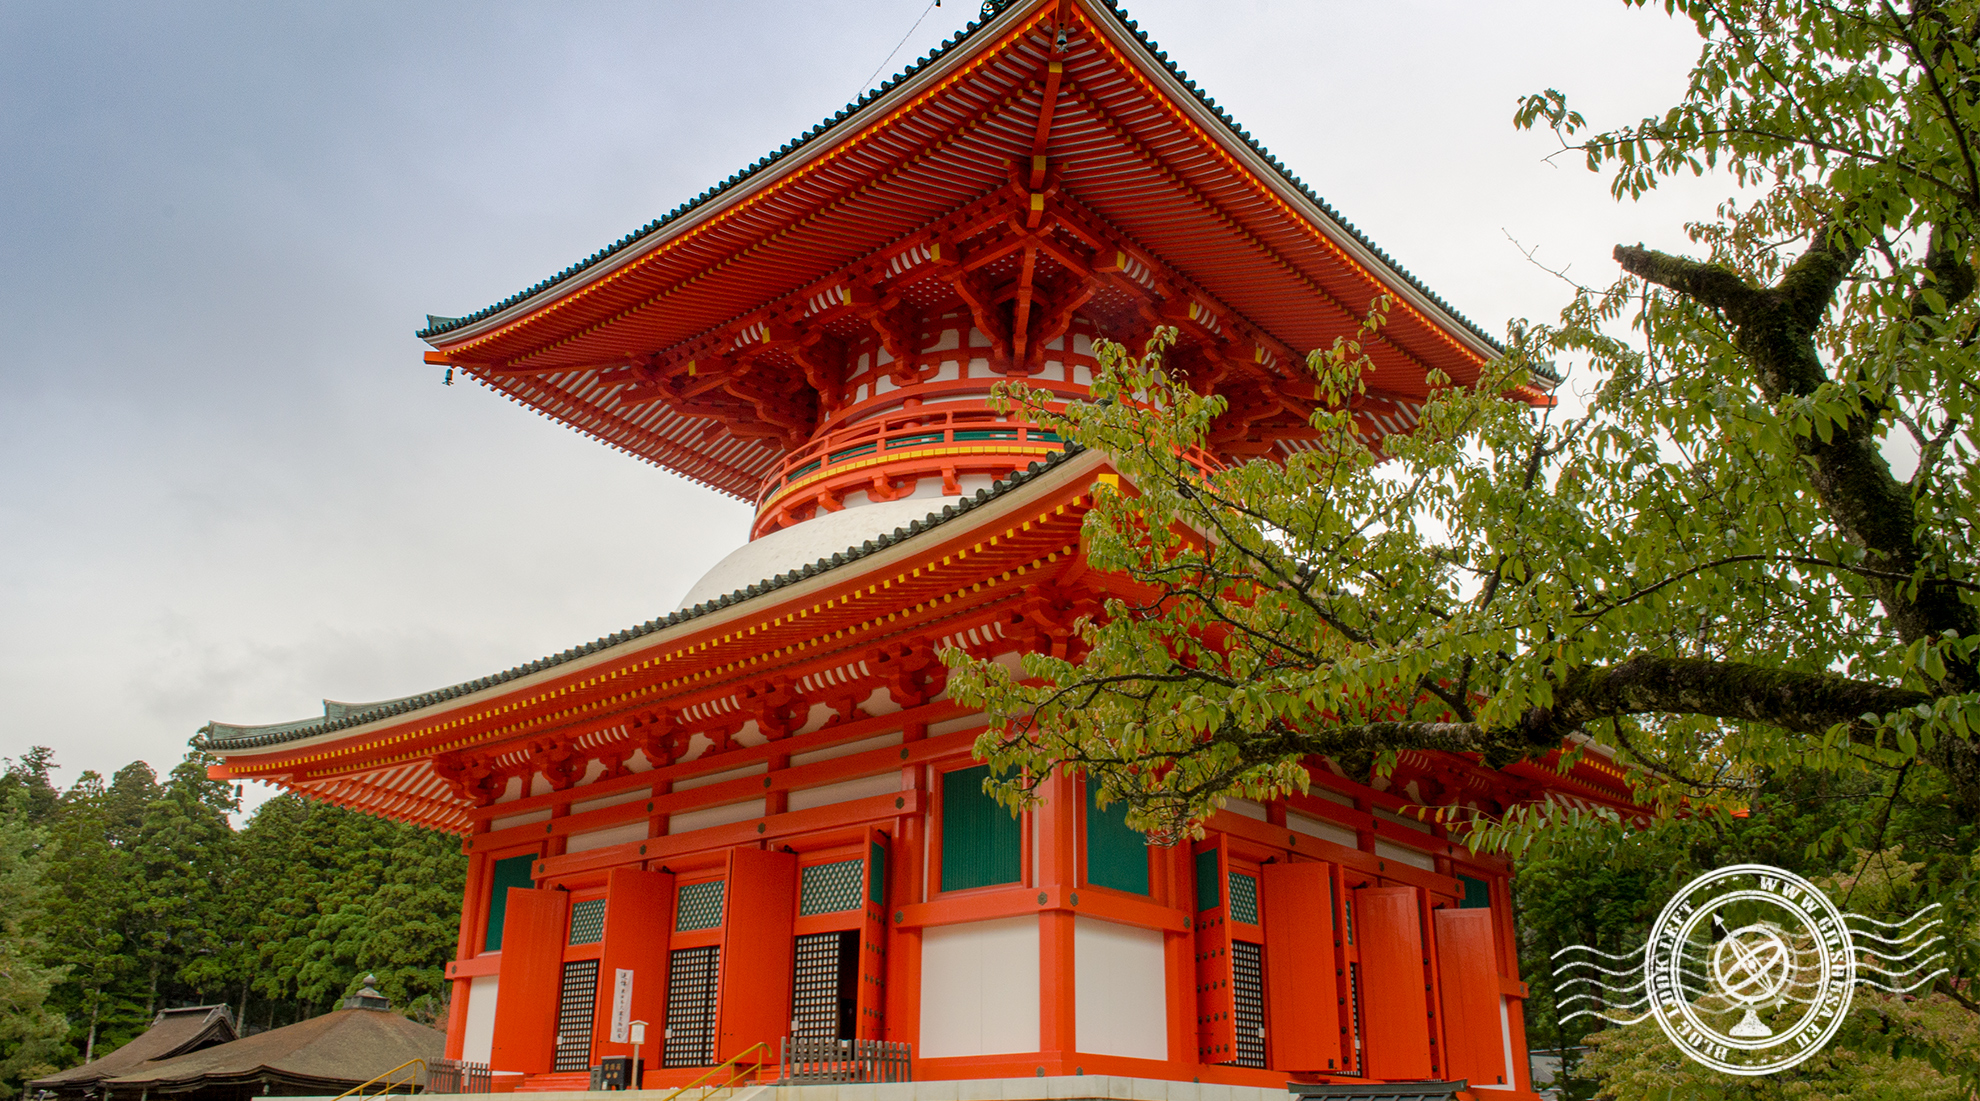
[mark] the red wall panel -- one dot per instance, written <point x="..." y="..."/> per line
<point x="1395" y="1006"/>
<point x="1299" y="968"/>
<point x="1468" y="968"/>
<point x="639" y="916"/>
<point x="531" y="972"/>
<point x="758" y="931"/>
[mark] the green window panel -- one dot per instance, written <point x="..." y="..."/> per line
<point x="876" y="875"/>
<point x="1116" y="853"/>
<point x="588" y="922"/>
<point x="513" y="872"/>
<point x="1244" y="898"/>
<point x="1209" y="893"/>
<point x="1477" y="894"/>
<point x="982" y="843"/>
<point x="700" y="906"/>
<point x="829" y="888"/>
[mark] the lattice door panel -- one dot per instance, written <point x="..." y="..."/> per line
<point x="691" y="974"/>
<point x="575" y="1007"/>
<point x="1248" y="1001"/>
<point x="820" y="998"/>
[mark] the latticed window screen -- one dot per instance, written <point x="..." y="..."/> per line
<point x="828" y="888"/>
<point x="513" y="872"/>
<point x="700" y="906"/>
<point x="982" y="845"/>
<point x="574" y="1013"/>
<point x="588" y="921"/>
<point x="1116" y="853"/>
<point x="1248" y="1000"/>
<point x="824" y="984"/>
<point x="691" y="1006"/>
<point x="1244" y="898"/>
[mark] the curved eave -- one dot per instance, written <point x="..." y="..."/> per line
<point x="1275" y="178"/>
<point x="819" y="144"/>
<point x="260" y="745"/>
<point x="1263" y="171"/>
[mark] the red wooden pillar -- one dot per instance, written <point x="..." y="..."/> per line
<point x="457" y="1010"/>
<point x="758" y="944"/>
<point x="1171" y="882"/>
<point x="1056" y="820"/>
<point x="529" y="981"/>
<point x="905" y="887"/>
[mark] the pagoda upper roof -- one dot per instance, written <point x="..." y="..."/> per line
<point x="996" y="14"/>
<point x="1151" y="195"/>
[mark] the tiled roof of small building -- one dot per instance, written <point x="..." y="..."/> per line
<point x="172" y="1032"/>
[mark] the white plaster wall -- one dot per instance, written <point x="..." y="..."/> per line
<point x="598" y="839"/>
<point x="479" y="1037"/>
<point x="865" y="787"/>
<point x="1120" y="990"/>
<point x="520" y="819"/>
<point x="979" y="988"/>
<point x="845" y="749"/>
<point x="633" y="796"/>
<point x="714" y="816"/>
<point x="1389" y="850"/>
<point x="708" y="778"/>
<point x="1321" y="828"/>
<point x="1246" y="807"/>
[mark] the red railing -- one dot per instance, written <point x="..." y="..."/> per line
<point x="901" y="432"/>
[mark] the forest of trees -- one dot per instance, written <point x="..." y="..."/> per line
<point x="126" y="895"/>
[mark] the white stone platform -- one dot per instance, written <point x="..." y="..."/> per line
<point x="1082" y="1087"/>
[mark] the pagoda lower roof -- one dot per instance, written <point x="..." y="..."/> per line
<point x="230" y="739"/>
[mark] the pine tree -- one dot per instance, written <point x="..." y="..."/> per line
<point x="32" y="1033"/>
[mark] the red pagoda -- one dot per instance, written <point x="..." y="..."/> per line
<point x="757" y="819"/>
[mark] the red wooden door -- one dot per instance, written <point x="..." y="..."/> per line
<point x="1467" y="965"/>
<point x="1299" y="966"/>
<point x="529" y="981"/>
<point x="1216" y="1021"/>
<point x="639" y="916"/>
<point x="1395" y="1006"/>
<point x="871" y="1020"/>
<point x="758" y="945"/>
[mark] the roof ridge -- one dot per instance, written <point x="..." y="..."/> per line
<point x="227" y="736"/>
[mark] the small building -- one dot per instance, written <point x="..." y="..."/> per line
<point x="173" y="1032"/>
<point x="321" y="1056"/>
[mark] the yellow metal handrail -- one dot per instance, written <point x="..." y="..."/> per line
<point x="729" y="1065"/>
<point x="411" y="1080"/>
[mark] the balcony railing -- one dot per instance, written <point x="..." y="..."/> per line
<point x="904" y="431"/>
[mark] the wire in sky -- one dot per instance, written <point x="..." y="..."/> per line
<point x="857" y="92"/>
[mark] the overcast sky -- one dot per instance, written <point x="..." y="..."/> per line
<point x="230" y="488"/>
